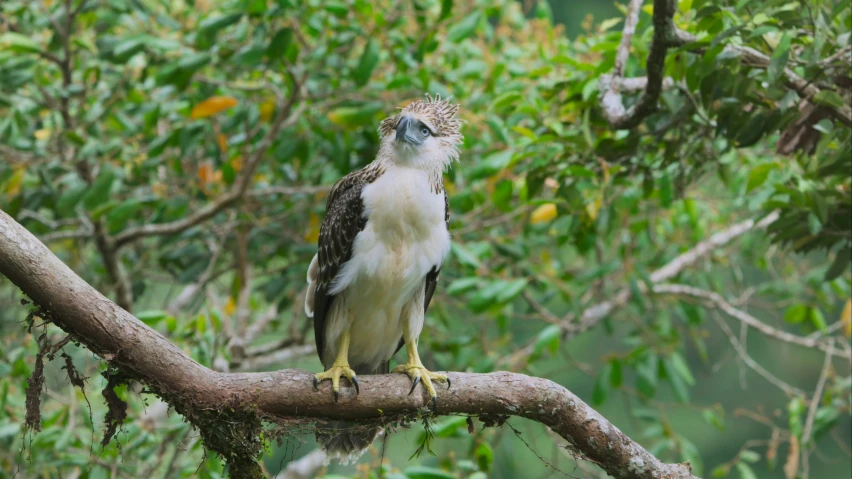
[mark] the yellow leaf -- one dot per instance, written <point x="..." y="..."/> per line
<point x="222" y="140"/>
<point x="237" y="163"/>
<point x="205" y="173"/>
<point x="313" y="229"/>
<point x="593" y="208"/>
<point x="213" y="105"/>
<point x="267" y="108"/>
<point x="846" y="318"/>
<point x="543" y="213"/>
<point x="230" y="306"/>
<point x="42" y="134"/>
<point x="13" y="186"/>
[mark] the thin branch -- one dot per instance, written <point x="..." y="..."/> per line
<point x="815" y="400"/>
<point x="592" y="315"/>
<point x="148" y="357"/>
<point x="747" y="319"/>
<point x="751" y="363"/>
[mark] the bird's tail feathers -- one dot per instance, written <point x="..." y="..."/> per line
<point x="344" y="441"/>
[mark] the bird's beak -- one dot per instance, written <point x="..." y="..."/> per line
<point x="404" y="133"/>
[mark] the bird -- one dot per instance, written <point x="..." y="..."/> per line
<point x="380" y="251"/>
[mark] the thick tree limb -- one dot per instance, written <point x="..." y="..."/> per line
<point x="142" y="353"/>
<point x="611" y="101"/>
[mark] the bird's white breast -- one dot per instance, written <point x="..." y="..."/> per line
<point x="405" y="237"/>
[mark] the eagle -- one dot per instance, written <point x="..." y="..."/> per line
<point x="381" y="247"/>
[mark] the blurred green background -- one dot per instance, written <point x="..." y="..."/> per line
<point x="145" y="111"/>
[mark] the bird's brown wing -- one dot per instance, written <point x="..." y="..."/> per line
<point x="344" y="219"/>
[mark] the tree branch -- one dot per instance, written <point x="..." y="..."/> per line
<point x="821" y="343"/>
<point x="596" y="313"/>
<point x="611" y="101"/>
<point x="667" y="35"/>
<point x="143" y="354"/>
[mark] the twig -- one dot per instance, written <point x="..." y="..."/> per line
<point x="596" y="313"/>
<point x="747" y="319"/>
<point x="751" y="363"/>
<point x="276" y="357"/>
<point x="826" y="367"/>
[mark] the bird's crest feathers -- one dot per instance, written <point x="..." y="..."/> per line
<point x="437" y="113"/>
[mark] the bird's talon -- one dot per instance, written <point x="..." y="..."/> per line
<point x="334" y="373"/>
<point x="434" y="403"/>
<point x="416" y="381"/>
<point x="449" y="383"/>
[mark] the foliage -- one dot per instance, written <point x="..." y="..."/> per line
<point x="150" y="111"/>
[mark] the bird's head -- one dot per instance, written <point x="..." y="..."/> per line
<point x="424" y="134"/>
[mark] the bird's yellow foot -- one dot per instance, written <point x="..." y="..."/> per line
<point x="334" y="373"/>
<point x="418" y="374"/>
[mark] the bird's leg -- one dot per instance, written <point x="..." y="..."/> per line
<point x="340" y="367"/>
<point x="415" y="370"/>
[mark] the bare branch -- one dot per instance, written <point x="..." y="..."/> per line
<point x="253" y="363"/>
<point x="815" y="400"/>
<point x="596" y="313"/>
<point x="751" y="363"/>
<point x="144" y="354"/>
<point x="717" y="300"/>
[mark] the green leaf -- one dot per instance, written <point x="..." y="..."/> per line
<point x="17" y="43"/>
<point x="817" y="319"/>
<point x="615" y="375"/>
<point x="829" y="98"/>
<point x="484" y="456"/>
<point x="98" y="194"/>
<point x="666" y="190"/>
<point x="749" y="456"/>
<point x="69" y="199"/>
<point x="841" y="262"/>
<point x="446" y="9"/>
<point x="678" y="364"/>
<point x="758" y="176"/>
<point x="745" y="471"/>
<point x="212" y="25"/>
<point x="464" y="255"/>
<point x="369" y="60"/>
<point x="279" y="43"/>
<point x="462" y="285"/>
<point x="502" y="196"/>
<point x="779" y="59"/>
<point x="423" y="472"/>
<point x="601" y="391"/>
<point x="151" y="318"/>
<point x="713" y="418"/>
<point x="512" y="290"/>
<point x="796" y="314"/>
<point x="464" y="28"/>
<point x="548" y="338"/>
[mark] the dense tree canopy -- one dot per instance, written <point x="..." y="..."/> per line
<point x="656" y="214"/>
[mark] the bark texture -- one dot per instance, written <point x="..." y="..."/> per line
<point x="145" y="355"/>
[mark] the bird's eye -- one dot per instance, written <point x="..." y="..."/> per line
<point x="425" y="131"/>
